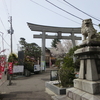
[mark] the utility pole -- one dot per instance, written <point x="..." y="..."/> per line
<point x="10" y="31"/>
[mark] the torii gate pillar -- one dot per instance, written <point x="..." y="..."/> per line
<point x="73" y="39"/>
<point x="43" y="52"/>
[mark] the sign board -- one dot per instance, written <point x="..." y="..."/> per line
<point x="53" y="75"/>
<point x="18" y="68"/>
<point x="36" y="68"/>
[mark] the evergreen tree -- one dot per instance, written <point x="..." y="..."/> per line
<point x="30" y="49"/>
<point x="54" y="42"/>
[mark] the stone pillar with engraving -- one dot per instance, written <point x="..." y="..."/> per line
<point x="87" y="86"/>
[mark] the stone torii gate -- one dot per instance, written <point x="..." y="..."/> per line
<point x="51" y="29"/>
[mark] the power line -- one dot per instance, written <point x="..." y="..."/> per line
<point x="2" y="41"/>
<point x="54" y="12"/>
<point x="5" y="41"/>
<point x="6" y="8"/>
<point x="80" y="10"/>
<point x="64" y="10"/>
<point x="2" y="23"/>
<point x="7" y="11"/>
<point x="62" y="2"/>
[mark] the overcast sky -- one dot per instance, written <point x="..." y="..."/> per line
<point x="42" y="13"/>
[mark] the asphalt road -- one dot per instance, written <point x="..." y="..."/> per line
<point x="26" y="88"/>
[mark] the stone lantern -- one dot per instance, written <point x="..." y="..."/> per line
<point x="87" y="86"/>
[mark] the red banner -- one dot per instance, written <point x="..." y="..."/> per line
<point x="2" y="65"/>
<point x="10" y="68"/>
<point x="0" y="75"/>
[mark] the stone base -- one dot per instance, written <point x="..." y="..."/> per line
<point x="76" y="94"/>
<point x="57" y="90"/>
<point x="92" y="87"/>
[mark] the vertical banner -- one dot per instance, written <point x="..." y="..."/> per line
<point x="0" y="71"/>
<point x="43" y="65"/>
<point x="2" y="65"/>
<point x="0" y="75"/>
<point x="10" y="68"/>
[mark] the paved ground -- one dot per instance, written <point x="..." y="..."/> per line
<point x="26" y="88"/>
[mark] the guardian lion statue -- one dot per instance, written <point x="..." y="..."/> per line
<point x="87" y="29"/>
